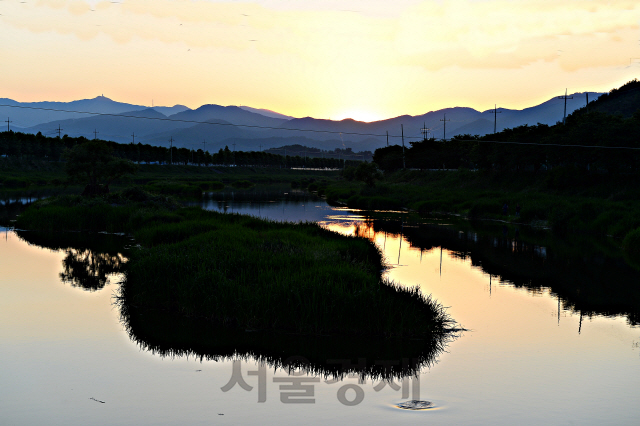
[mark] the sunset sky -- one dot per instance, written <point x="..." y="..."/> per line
<point x="365" y="59"/>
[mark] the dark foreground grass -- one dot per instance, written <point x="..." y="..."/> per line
<point x="245" y="272"/>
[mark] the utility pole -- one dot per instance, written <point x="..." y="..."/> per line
<point x="133" y="135"/>
<point x="95" y="134"/>
<point x="445" y="126"/>
<point x="59" y="130"/>
<point x="404" y="166"/>
<point x="171" y="151"/>
<point x="204" y="146"/>
<point x="387" y="138"/>
<point x="8" y="121"/>
<point x="425" y="131"/>
<point x="260" y="147"/>
<point x="565" y="97"/>
<point x="587" y="102"/>
<point x="495" y="117"/>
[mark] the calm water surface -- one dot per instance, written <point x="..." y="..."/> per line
<point x="542" y="346"/>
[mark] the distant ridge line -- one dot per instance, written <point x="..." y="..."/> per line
<point x="200" y="122"/>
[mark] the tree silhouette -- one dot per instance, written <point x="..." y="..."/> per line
<point x="93" y="163"/>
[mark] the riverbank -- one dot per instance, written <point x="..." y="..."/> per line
<point x="182" y="180"/>
<point x="557" y="200"/>
<point x="239" y="271"/>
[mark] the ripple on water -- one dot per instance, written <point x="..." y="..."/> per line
<point x="416" y="405"/>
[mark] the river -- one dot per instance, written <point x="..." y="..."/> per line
<point x="552" y="334"/>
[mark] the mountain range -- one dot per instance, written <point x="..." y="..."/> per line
<point x="248" y="129"/>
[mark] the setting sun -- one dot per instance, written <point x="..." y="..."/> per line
<point x="359" y="115"/>
<point x="370" y="59"/>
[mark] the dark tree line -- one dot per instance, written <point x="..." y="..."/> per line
<point x="531" y="148"/>
<point x="30" y="146"/>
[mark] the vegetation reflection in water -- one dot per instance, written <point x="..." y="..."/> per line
<point x="327" y="356"/>
<point x="589" y="276"/>
<point x="92" y="257"/>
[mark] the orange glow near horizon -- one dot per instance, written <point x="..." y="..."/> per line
<point x="359" y="115"/>
<point x="366" y="60"/>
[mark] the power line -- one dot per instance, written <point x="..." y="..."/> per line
<point x="565" y="97"/>
<point x="416" y="139"/>
<point x="171" y="151"/>
<point x="424" y="130"/>
<point x="404" y="166"/>
<point x="59" y="129"/>
<point x="445" y="126"/>
<point x="495" y="117"/>
<point x="200" y="122"/>
<point x="549" y="144"/>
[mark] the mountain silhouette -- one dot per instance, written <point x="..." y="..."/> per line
<point x="249" y="128"/>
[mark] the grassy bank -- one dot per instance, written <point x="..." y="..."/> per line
<point x="244" y="272"/>
<point x="559" y="199"/>
<point x="179" y="180"/>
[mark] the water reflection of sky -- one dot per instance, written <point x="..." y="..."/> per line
<point x="525" y="360"/>
<point x="312" y="210"/>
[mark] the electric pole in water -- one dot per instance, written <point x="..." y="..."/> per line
<point x="495" y="117"/>
<point x="404" y="166"/>
<point x="445" y="127"/>
<point x="8" y="121"/>
<point x="565" y="97"/>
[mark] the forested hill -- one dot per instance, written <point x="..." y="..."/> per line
<point x="603" y="140"/>
<point x="624" y="101"/>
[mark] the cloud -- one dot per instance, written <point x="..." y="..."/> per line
<point x="318" y="55"/>
<point x="497" y="34"/>
<point x="429" y="34"/>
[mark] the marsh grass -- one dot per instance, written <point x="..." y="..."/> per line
<point x="631" y="246"/>
<point x="240" y="271"/>
<point x="242" y="184"/>
<point x="604" y="208"/>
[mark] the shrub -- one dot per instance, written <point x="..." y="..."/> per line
<point x="631" y="243"/>
<point x="242" y="184"/>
